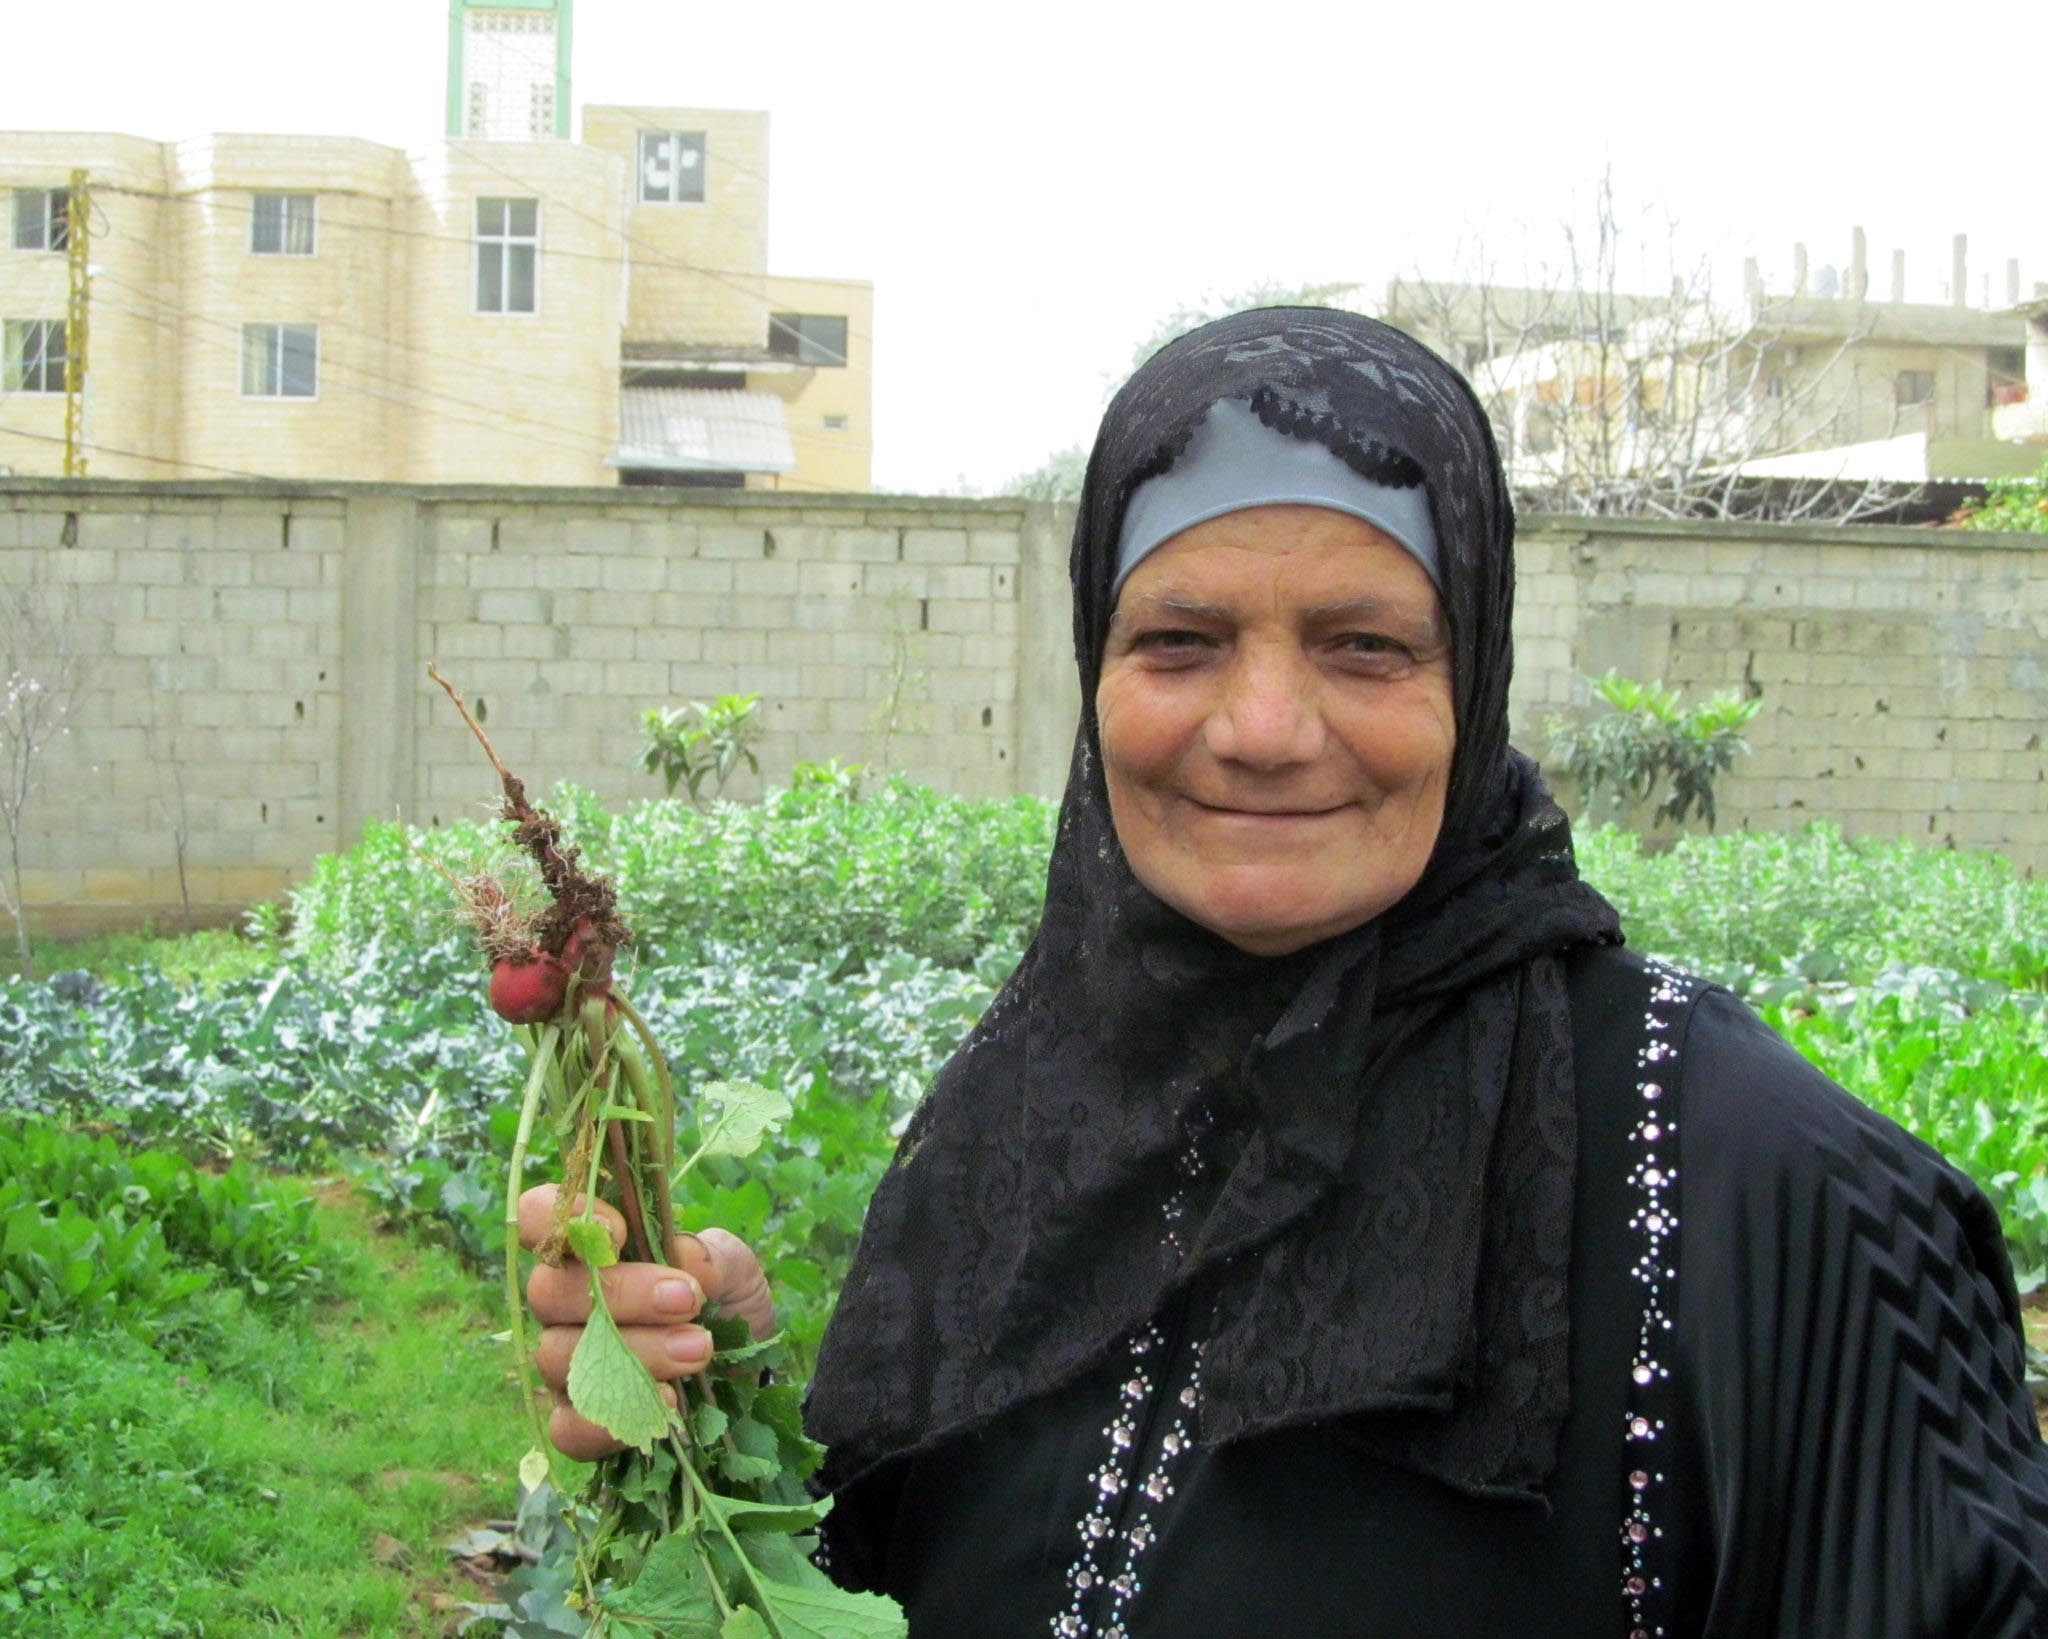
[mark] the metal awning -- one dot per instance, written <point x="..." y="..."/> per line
<point x="703" y="429"/>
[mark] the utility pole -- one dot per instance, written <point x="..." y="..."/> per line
<point x="77" y="217"/>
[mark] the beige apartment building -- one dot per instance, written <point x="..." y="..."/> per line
<point x="535" y="310"/>
<point x="1825" y="380"/>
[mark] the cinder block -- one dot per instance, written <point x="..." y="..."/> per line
<point x="633" y="574"/>
<point x="734" y="647"/>
<point x="993" y="546"/>
<point x="250" y="532"/>
<point x="286" y="569"/>
<point x="545" y="643"/>
<point x="178" y="532"/>
<point x="941" y="546"/>
<point x="502" y="572"/>
<point x="317" y="536"/>
<point x="698" y="577"/>
<point x="601" y="642"/>
<point x="566" y="571"/>
<point x="732" y="541"/>
<point x="111" y="531"/>
<point x="521" y="607"/>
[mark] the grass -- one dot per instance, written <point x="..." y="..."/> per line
<point x="262" y="1477"/>
<point x="205" y="957"/>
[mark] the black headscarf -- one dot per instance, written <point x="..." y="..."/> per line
<point x="1385" y="1121"/>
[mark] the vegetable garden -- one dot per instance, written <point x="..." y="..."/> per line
<point x="251" y="1347"/>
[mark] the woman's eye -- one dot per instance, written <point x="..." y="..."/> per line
<point x="1373" y="646"/>
<point x="1169" y="641"/>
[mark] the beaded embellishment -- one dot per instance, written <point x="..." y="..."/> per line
<point x="1107" y="1557"/>
<point x="1653" y="1227"/>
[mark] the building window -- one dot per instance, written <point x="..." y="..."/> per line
<point x="35" y="356"/>
<point x="807" y="338"/>
<point x="42" y="218"/>
<point x="281" y="224"/>
<point x="280" y="360"/>
<point x="835" y="423"/>
<point x="1914" y="387"/>
<point x="672" y="167"/>
<point x="507" y="254"/>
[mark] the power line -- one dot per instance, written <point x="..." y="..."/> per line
<point x="585" y="446"/>
<point x="474" y="366"/>
<point x="137" y="455"/>
<point x="731" y="277"/>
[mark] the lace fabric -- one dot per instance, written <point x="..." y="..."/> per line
<point x="1386" y="1213"/>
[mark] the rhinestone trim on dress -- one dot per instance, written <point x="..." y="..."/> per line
<point x="1101" y="1545"/>
<point x="1653" y="1225"/>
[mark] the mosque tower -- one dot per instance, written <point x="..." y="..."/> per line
<point x="508" y="69"/>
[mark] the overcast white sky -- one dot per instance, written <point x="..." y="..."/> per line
<point x="1031" y="188"/>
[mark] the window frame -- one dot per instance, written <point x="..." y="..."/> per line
<point x="277" y="327"/>
<point x="14" y="356"/>
<point x="54" y="229"/>
<point x="505" y="241"/>
<point x="788" y="339"/>
<point x="284" y="223"/>
<point x="1899" y="380"/>
<point x="677" y="170"/>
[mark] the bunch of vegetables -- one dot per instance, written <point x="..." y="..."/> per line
<point x="700" y="1528"/>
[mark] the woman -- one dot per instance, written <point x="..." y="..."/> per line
<point x="1330" y="1229"/>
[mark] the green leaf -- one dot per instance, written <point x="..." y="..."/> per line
<point x="591" y="1242"/>
<point x="623" y="1112"/>
<point x="744" y="1623"/>
<point x="608" y="1384"/>
<point x="786" y="1517"/>
<point x="758" y="1455"/>
<point x="832" y="1613"/>
<point x="747" y="1113"/>
<point x="669" y="1595"/>
<point x="707" y="1425"/>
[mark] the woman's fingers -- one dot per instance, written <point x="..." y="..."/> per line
<point x="730" y="1275"/>
<point x="667" y="1352"/>
<point x="578" y="1438"/>
<point x="636" y="1294"/>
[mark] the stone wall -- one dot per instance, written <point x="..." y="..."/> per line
<point x="258" y="659"/>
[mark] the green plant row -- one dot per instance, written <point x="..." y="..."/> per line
<point x="810" y="873"/>
<point x="94" y="1234"/>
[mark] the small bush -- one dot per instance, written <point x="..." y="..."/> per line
<point x="1646" y="740"/>
<point x="97" y="1235"/>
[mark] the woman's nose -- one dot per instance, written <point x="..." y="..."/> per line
<point x="1267" y="716"/>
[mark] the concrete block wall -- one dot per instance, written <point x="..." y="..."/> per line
<point x="258" y="659"/>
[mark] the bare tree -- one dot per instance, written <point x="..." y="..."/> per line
<point x="42" y="675"/>
<point x="1647" y="405"/>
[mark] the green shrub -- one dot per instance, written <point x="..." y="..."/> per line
<point x="1646" y="740"/>
<point x="1749" y="903"/>
<point x="2019" y="504"/>
<point x="95" y="1234"/>
<point x="810" y="873"/>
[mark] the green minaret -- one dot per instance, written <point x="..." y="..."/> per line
<point x="508" y="69"/>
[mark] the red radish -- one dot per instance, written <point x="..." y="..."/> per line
<point x="529" y="991"/>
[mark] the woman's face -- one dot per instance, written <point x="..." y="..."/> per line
<point x="1276" y="722"/>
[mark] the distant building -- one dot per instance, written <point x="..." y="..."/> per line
<point x="1819" y="381"/>
<point x="507" y="307"/>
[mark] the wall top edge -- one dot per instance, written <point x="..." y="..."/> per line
<point x="1588" y="527"/>
<point x="17" y="488"/>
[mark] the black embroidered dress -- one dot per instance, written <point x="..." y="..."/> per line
<point x="1832" y="1438"/>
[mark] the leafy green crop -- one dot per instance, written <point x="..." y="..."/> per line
<point x="811" y="873"/>
<point x="93" y="1234"/>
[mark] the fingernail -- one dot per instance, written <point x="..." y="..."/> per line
<point x="691" y="1345"/>
<point x="678" y="1295"/>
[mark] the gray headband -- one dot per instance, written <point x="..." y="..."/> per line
<point x="1234" y="461"/>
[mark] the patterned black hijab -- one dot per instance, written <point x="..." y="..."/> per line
<point x="1380" y="1226"/>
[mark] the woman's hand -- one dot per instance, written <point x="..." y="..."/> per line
<point x="655" y="1307"/>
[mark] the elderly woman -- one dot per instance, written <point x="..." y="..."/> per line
<point x="1331" y="1229"/>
